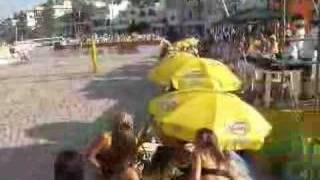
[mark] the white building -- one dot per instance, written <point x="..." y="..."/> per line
<point x="153" y="14"/>
<point x="197" y="16"/>
<point x="187" y="16"/>
<point x="101" y="20"/>
<point x="34" y="15"/>
<point x="99" y="4"/>
<point x="31" y="20"/>
<point x="118" y="17"/>
<point x="62" y="9"/>
<point x="193" y="16"/>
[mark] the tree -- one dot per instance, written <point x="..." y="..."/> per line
<point x="7" y="31"/>
<point x="46" y="26"/>
<point x="21" y="24"/>
<point x="139" y="28"/>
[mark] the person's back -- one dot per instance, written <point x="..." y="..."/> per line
<point x="209" y="162"/>
<point x="211" y="170"/>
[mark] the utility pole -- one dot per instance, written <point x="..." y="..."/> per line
<point x="17" y="34"/>
<point x="14" y="22"/>
<point x="111" y="17"/>
<point x="284" y="20"/>
<point x="316" y="6"/>
<point x="317" y="64"/>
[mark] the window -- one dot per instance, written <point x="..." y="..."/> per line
<point x="190" y="15"/>
<point x="107" y="22"/>
<point x="152" y="12"/>
<point x="142" y="14"/>
<point x="99" y="22"/>
<point x="132" y="12"/>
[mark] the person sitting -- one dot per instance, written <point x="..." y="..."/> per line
<point x="115" y="154"/>
<point x="273" y="47"/>
<point x="209" y="162"/>
<point x="68" y="165"/>
<point x="290" y="51"/>
<point x="164" y="48"/>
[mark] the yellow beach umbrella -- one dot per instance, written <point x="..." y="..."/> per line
<point x="186" y="43"/>
<point x="184" y="70"/>
<point x="189" y="45"/>
<point x="181" y="114"/>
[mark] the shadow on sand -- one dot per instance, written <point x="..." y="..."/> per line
<point x="35" y="162"/>
<point x="128" y="86"/>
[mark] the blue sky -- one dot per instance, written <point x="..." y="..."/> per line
<point x="8" y="7"/>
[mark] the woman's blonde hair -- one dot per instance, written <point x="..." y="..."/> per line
<point x="123" y="138"/>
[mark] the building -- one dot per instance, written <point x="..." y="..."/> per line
<point x="151" y="14"/>
<point x="59" y="10"/>
<point x="101" y="20"/>
<point x="62" y="9"/>
<point x="34" y="15"/>
<point x="251" y="4"/>
<point x="117" y="17"/>
<point x="31" y="21"/>
<point x="197" y="16"/>
<point x="193" y="16"/>
<point x="105" y="14"/>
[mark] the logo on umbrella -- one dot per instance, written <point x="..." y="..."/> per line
<point x="239" y="128"/>
<point x="168" y="105"/>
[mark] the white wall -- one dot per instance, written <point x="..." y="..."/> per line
<point x="31" y="21"/>
<point x="115" y="9"/>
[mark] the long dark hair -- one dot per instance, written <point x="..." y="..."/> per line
<point x="205" y="141"/>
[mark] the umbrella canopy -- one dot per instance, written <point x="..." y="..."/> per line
<point x="182" y="113"/>
<point x="189" y="45"/>
<point x="185" y="43"/>
<point x="260" y="14"/>
<point x="183" y="71"/>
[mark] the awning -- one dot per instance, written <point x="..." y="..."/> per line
<point x="251" y="15"/>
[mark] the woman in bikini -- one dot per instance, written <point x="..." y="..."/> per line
<point x="115" y="154"/>
<point x="209" y="162"/>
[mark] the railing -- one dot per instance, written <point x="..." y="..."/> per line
<point x="41" y="41"/>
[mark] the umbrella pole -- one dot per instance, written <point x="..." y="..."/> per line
<point x="225" y="8"/>
<point x="284" y="20"/>
<point x="317" y="65"/>
<point x="316" y="7"/>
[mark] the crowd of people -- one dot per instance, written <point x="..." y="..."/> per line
<point x="116" y="38"/>
<point x="115" y="155"/>
<point x="252" y="41"/>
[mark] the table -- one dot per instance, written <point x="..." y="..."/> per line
<point x="283" y="63"/>
<point x="284" y="68"/>
<point x="295" y="82"/>
<point x="293" y="63"/>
